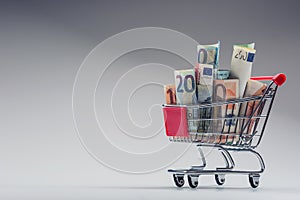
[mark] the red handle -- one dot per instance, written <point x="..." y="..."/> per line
<point x="278" y="79"/>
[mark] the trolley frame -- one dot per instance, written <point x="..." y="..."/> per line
<point x="243" y="144"/>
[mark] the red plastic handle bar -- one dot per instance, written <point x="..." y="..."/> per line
<point x="278" y="79"/>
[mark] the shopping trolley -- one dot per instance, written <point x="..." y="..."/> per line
<point x="232" y="132"/>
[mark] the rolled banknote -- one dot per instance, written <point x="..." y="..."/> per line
<point x="206" y="54"/>
<point x="193" y="116"/>
<point x="253" y="88"/>
<point x="204" y="81"/>
<point x="223" y="74"/>
<point x="226" y="115"/>
<point x="185" y="84"/>
<point x="170" y="94"/>
<point x="205" y="115"/>
<point x="241" y="65"/>
<point x="209" y="54"/>
<point x="250" y="45"/>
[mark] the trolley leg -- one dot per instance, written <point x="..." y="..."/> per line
<point x="220" y="177"/>
<point x="258" y="156"/>
<point x="202" y="158"/>
<point x="260" y="159"/>
<point x="227" y="158"/>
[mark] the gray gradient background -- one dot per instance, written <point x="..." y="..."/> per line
<point x="42" y="45"/>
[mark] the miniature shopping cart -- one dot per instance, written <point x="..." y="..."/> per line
<point x="239" y="130"/>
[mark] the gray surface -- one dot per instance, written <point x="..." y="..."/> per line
<point x="161" y="192"/>
<point x="42" y="45"/>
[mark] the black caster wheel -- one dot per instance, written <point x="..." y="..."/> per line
<point x="193" y="181"/>
<point x="254" y="180"/>
<point x="220" y="179"/>
<point x="178" y="180"/>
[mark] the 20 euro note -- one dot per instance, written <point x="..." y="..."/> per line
<point x="185" y="85"/>
<point x="241" y="65"/>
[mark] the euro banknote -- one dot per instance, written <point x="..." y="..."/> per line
<point x="249" y="45"/>
<point x="209" y="54"/>
<point x="185" y="85"/>
<point x="226" y="113"/>
<point x="205" y="123"/>
<point x="253" y="88"/>
<point x="241" y="65"/>
<point x="193" y="116"/>
<point x="170" y="93"/>
<point x="204" y="81"/>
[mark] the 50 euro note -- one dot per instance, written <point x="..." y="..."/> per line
<point x="225" y="116"/>
<point x="253" y="88"/>
<point x="241" y="64"/>
<point x="209" y="54"/>
<point x="204" y="81"/>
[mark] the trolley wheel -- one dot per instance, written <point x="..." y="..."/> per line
<point x="193" y="181"/>
<point x="220" y="179"/>
<point x="254" y="180"/>
<point x="178" y="180"/>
